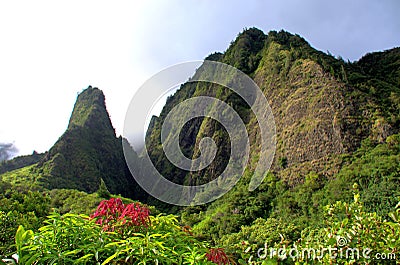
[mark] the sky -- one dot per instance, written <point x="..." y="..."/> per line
<point x="52" y="50"/>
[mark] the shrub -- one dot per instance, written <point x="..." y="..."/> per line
<point x="114" y="234"/>
<point x="350" y="235"/>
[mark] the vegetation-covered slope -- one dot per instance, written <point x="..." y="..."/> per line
<point x="318" y="111"/>
<point x="87" y="152"/>
<point x="336" y="125"/>
<point x="20" y="162"/>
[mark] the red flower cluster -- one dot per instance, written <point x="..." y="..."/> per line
<point x="218" y="256"/>
<point x="111" y="212"/>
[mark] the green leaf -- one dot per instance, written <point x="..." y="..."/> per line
<point x="155" y="235"/>
<point x="31" y="260"/>
<point x="269" y="262"/>
<point x="345" y="222"/>
<point x="116" y="243"/>
<point x="84" y="258"/>
<point x="72" y="252"/>
<point x="110" y="258"/>
<point x="19" y="236"/>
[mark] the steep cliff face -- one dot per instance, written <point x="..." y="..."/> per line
<point x="313" y="115"/>
<point x="320" y="108"/>
<point x="88" y="151"/>
<point x="244" y="54"/>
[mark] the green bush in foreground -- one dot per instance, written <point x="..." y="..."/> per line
<point x="350" y="235"/>
<point x="114" y="234"/>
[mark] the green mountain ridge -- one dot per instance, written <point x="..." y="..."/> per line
<point x="318" y="111"/>
<point x="331" y="118"/>
<point x="87" y="152"/>
<point x="325" y="110"/>
<point x="20" y="162"/>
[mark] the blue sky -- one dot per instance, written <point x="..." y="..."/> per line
<point x="51" y="50"/>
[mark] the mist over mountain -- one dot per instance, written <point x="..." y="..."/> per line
<point x="20" y="162"/>
<point x="7" y="150"/>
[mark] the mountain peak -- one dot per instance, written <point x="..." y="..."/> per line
<point x="243" y="52"/>
<point x="287" y="39"/>
<point x="90" y="111"/>
<point x="88" y="151"/>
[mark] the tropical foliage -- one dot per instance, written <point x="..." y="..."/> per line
<point x="349" y="235"/>
<point x="116" y="233"/>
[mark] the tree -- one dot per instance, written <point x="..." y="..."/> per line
<point x="103" y="191"/>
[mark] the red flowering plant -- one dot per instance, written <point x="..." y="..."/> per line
<point x="218" y="256"/>
<point x="114" y="215"/>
